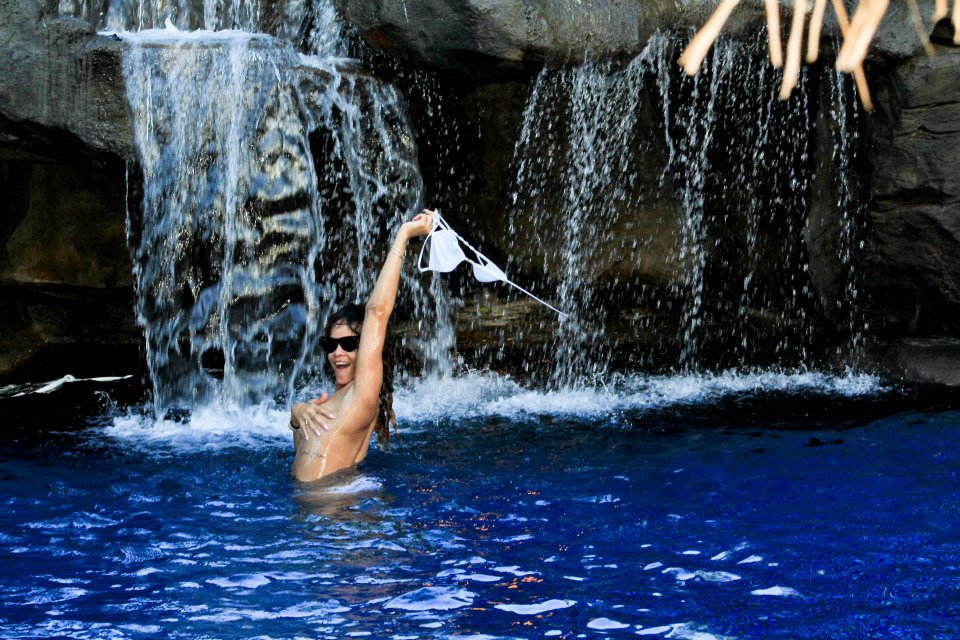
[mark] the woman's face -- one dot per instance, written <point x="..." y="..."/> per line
<point x="342" y="362"/>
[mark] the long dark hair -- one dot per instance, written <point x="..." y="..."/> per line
<point x="352" y="316"/>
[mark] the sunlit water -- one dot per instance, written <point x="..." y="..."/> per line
<point x="736" y="505"/>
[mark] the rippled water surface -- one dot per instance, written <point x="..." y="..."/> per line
<point x="759" y="506"/>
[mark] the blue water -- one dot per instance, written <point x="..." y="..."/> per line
<point x="732" y="506"/>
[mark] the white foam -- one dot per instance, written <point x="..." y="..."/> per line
<point x="606" y="623"/>
<point x="171" y="35"/>
<point x="680" y="573"/>
<point x="654" y="631"/>
<point x="480" y="577"/>
<point x="683" y="631"/>
<point x="723" y="555"/>
<point x="775" y="591"/>
<point x="514" y="570"/>
<point x="419" y="402"/>
<point x="717" y="576"/>
<point x="57" y="595"/>
<point x="432" y="599"/>
<point x="53" y="385"/>
<point x="478" y="394"/>
<point x="247" y="582"/>
<point x="363" y="484"/>
<point x="534" y="609"/>
<point x="518" y="538"/>
<point x="751" y="559"/>
<point x="210" y="427"/>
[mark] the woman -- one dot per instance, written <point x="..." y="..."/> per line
<point x="354" y="346"/>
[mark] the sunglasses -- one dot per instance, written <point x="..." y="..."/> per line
<point x="347" y="343"/>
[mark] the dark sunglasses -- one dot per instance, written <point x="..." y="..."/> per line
<point x="347" y="343"/>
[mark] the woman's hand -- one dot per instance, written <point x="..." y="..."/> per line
<point x="311" y="418"/>
<point x="421" y="225"/>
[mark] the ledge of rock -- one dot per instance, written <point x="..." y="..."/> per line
<point x="61" y="87"/>
<point x="497" y="37"/>
<point x="933" y="360"/>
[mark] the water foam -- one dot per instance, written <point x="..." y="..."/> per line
<point x="210" y="427"/>
<point x="422" y="401"/>
<point x="477" y="394"/>
<point x="537" y="608"/>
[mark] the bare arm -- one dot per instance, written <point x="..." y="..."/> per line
<point x="369" y="375"/>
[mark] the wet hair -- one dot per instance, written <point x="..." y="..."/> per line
<point x="352" y="316"/>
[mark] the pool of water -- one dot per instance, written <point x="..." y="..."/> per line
<point x="732" y="506"/>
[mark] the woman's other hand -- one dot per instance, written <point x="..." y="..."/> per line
<point x="421" y="225"/>
<point x="311" y="417"/>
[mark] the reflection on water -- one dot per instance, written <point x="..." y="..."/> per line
<point x="785" y="512"/>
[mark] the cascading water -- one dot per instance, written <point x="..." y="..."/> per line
<point x="229" y="225"/>
<point x="600" y="116"/>
<point x="849" y="242"/>
<point x="269" y="181"/>
<point x="751" y="178"/>
<point x="740" y="176"/>
<point x="692" y="161"/>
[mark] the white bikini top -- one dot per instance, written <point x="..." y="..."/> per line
<point x="446" y="253"/>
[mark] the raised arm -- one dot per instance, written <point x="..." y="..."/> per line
<point x="369" y="375"/>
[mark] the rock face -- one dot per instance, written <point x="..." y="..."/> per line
<point x="912" y="253"/>
<point x="61" y="88"/>
<point x="496" y="37"/>
<point x="64" y="267"/>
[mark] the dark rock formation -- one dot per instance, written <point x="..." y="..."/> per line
<point x="507" y="36"/>
<point x="64" y="267"/>
<point x="933" y="360"/>
<point x="61" y="88"/>
<point x="491" y="37"/>
<point x="911" y="259"/>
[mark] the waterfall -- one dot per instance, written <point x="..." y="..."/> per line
<point x="271" y="183"/>
<point x="698" y="121"/>
<point x="229" y="227"/>
<point x="736" y="166"/>
<point x="844" y="114"/>
<point x="592" y="153"/>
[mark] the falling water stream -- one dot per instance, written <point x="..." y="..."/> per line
<point x="737" y="163"/>
<point x="267" y="196"/>
<point x="270" y="181"/>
